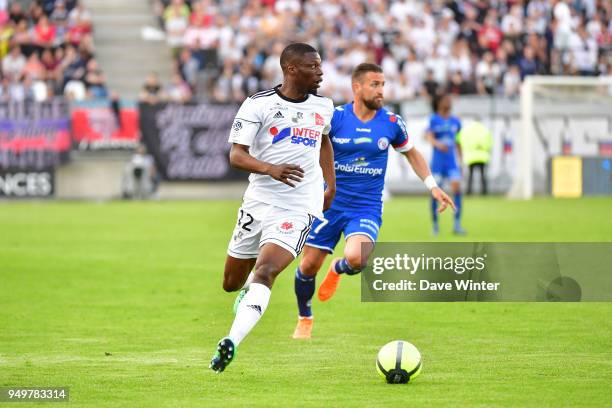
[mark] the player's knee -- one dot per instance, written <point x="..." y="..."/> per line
<point x="231" y="285"/>
<point x="356" y="261"/>
<point x="309" y="267"/>
<point x="265" y="274"/>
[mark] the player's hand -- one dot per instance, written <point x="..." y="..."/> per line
<point x="286" y="173"/>
<point x="443" y="199"/>
<point x="442" y="147"/>
<point x="328" y="197"/>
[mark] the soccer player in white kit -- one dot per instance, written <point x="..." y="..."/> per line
<point x="281" y="137"/>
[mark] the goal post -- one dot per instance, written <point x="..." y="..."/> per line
<point x="554" y="96"/>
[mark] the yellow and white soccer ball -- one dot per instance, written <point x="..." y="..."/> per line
<point x="398" y="362"/>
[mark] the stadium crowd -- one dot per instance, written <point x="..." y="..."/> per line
<point x="47" y="49"/>
<point x="225" y="50"/>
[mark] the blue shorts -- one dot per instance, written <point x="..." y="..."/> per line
<point x="325" y="234"/>
<point x="448" y="171"/>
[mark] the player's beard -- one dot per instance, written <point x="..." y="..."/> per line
<point x="373" y="104"/>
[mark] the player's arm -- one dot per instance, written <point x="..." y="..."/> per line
<point x="421" y="168"/>
<point x="326" y="161"/>
<point x="429" y="136"/>
<point x="240" y="158"/>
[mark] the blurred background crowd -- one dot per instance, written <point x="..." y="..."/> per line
<point x="47" y="49"/>
<point x="226" y="50"/>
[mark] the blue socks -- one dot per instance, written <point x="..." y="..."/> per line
<point x="458" y="204"/>
<point x="304" y="290"/>
<point x="342" y="266"/>
<point x="434" y="211"/>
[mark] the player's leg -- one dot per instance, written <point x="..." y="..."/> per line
<point x="242" y="252"/>
<point x="272" y="260"/>
<point x="361" y="233"/>
<point x="281" y="242"/>
<point x="236" y="273"/>
<point x="483" y="178"/>
<point x="455" y="184"/>
<point x="321" y="241"/>
<point x="471" y="171"/>
<point x="439" y="176"/>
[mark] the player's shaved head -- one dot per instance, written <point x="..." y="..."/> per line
<point x="293" y="53"/>
<point x="362" y="69"/>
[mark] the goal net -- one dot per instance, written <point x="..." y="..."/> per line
<point x="559" y="116"/>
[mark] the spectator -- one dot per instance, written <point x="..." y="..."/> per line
<point x="151" y="91"/>
<point x="458" y="85"/>
<point x="14" y="63"/>
<point x="176" y="21"/>
<point x="95" y="81"/>
<point x="490" y="36"/>
<point x="584" y="52"/>
<point x="528" y="64"/>
<point x="512" y="81"/>
<point x="178" y="90"/>
<point x="487" y="74"/>
<point x="478" y="38"/>
<point x="140" y="176"/>
<point x="44" y="32"/>
<point x="430" y="86"/>
<point x="189" y="67"/>
<point x="34" y="69"/>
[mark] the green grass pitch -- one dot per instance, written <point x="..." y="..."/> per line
<point x="122" y="302"/>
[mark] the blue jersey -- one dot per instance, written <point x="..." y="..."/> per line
<point x="361" y="153"/>
<point x="444" y="130"/>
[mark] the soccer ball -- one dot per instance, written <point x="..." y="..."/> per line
<point x="398" y="362"/>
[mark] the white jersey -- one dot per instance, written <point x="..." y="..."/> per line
<point x="280" y="130"/>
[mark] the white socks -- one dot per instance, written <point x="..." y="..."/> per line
<point x="250" y="310"/>
<point x="248" y="281"/>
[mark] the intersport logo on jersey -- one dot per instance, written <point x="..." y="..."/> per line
<point x="304" y="136"/>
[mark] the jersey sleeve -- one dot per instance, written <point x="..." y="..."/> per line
<point x="334" y="123"/>
<point x="246" y="124"/>
<point x="431" y="124"/>
<point x="402" y="142"/>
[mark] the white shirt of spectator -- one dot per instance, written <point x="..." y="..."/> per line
<point x="13" y="66"/>
<point x="584" y="53"/>
<point x="175" y="29"/>
<point x="207" y="37"/>
<point x="292" y="6"/>
<point x="564" y="17"/>
<point x="266" y="114"/>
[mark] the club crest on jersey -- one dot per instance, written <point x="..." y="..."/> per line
<point x="383" y="143"/>
<point x="286" y="227"/>
<point x="319" y="121"/>
<point x="297" y="117"/>
<point x="304" y="136"/>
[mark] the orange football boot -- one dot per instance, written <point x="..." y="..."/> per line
<point x="330" y="283"/>
<point x="303" y="330"/>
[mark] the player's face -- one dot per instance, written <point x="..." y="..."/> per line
<point x="370" y="90"/>
<point x="308" y="72"/>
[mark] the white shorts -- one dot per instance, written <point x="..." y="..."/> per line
<point x="260" y="223"/>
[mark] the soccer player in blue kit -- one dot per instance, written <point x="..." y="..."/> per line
<point x="361" y="133"/>
<point x="445" y="163"/>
